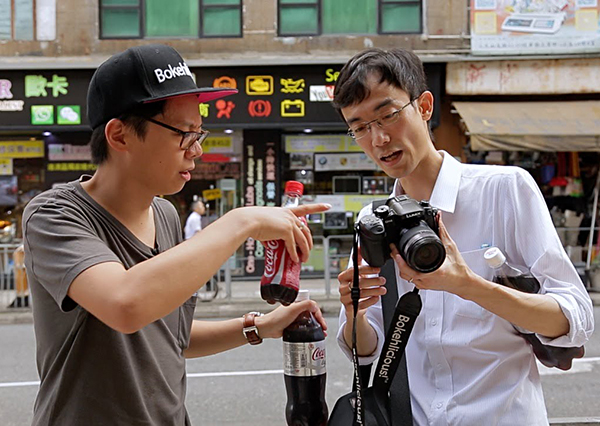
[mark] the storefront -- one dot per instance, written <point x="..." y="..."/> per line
<point x="525" y="113"/>
<point x="280" y="126"/>
<point x="42" y="136"/>
<point x="291" y="132"/>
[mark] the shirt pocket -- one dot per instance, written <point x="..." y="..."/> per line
<point x="465" y="308"/>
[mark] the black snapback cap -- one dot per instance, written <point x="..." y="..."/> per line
<point x="142" y="74"/>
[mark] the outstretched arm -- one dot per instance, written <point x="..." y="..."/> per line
<point x="211" y="337"/>
<point x="128" y="300"/>
<point x="539" y="313"/>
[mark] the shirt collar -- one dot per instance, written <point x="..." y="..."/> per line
<point x="445" y="190"/>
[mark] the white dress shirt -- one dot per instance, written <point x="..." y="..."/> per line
<point x="467" y="366"/>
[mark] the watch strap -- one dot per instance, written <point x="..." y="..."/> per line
<point x="250" y="331"/>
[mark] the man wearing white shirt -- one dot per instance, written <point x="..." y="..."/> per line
<point x="193" y="224"/>
<point x="466" y="363"/>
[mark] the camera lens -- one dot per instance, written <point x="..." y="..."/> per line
<point x="421" y="248"/>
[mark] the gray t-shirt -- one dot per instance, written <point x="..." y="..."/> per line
<point x="91" y="374"/>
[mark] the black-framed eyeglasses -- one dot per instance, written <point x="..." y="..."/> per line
<point x="363" y="129"/>
<point x="187" y="138"/>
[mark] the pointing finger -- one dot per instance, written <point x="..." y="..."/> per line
<point x="305" y="209"/>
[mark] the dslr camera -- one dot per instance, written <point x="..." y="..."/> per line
<point x="408" y="224"/>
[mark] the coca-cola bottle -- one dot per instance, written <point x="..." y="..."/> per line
<point x="305" y="370"/>
<point x="281" y="278"/>
<point x="510" y="276"/>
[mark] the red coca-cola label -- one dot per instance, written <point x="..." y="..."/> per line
<point x="279" y="267"/>
<point x="273" y="256"/>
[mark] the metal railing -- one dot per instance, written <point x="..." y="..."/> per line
<point x="8" y="289"/>
<point x="335" y="252"/>
<point x="231" y="276"/>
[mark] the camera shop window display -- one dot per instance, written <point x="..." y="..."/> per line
<point x="335" y="220"/>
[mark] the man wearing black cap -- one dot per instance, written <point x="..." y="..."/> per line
<point x="112" y="287"/>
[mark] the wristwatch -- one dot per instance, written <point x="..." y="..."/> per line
<point x="250" y="331"/>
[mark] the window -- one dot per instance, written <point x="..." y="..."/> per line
<point x="27" y="19"/>
<point x="315" y="17"/>
<point x="175" y="19"/>
<point x="299" y="17"/>
<point x="399" y="16"/>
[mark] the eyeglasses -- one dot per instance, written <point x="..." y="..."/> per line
<point x="187" y="138"/>
<point x="363" y="129"/>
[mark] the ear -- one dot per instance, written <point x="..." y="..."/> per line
<point x="116" y="134"/>
<point x="426" y="105"/>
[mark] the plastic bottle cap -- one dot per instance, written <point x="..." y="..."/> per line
<point x="293" y="186"/>
<point x="494" y="257"/>
<point x="303" y="295"/>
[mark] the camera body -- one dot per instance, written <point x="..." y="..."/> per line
<point x="408" y="224"/>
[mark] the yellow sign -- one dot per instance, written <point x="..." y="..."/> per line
<point x="211" y="194"/>
<point x="320" y="143"/>
<point x="6" y="166"/>
<point x="22" y="149"/>
<point x="220" y="144"/>
<point x="71" y="167"/>
<point x="289" y="85"/>
<point x="354" y="203"/>
<point x="259" y="85"/>
<point x="292" y="108"/>
<point x="486" y="22"/>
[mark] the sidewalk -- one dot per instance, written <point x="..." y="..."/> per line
<point x="245" y="297"/>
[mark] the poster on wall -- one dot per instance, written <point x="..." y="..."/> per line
<point x="261" y="187"/>
<point x="8" y="190"/>
<point x="301" y="161"/>
<point x="501" y="27"/>
<point x="345" y="161"/>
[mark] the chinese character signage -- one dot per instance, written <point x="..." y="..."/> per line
<point x="260" y="186"/>
<point x="40" y="98"/>
<point x="216" y="171"/>
<point x="22" y="149"/>
<point x="67" y="152"/>
<point x="509" y="27"/>
<point x="6" y="166"/>
<point x="268" y="96"/>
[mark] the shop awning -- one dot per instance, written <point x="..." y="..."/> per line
<point x="532" y="126"/>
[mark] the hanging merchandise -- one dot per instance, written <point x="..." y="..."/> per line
<point x="548" y="170"/>
<point x="592" y="271"/>
<point x="574" y="186"/>
<point x="559" y="180"/>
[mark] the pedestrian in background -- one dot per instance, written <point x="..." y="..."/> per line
<point x="112" y="283"/>
<point x="193" y="224"/>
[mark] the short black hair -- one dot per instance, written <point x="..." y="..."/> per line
<point x="133" y="118"/>
<point x="398" y="67"/>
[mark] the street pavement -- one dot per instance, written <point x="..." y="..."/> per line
<point x="245" y="385"/>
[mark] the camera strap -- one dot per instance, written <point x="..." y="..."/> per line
<point x="405" y="314"/>
<point x="355" y="295"/>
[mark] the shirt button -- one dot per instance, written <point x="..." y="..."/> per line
<point x="439" y="366"/>
<point x="439" y="405"/>
<point x="434" y="322"/>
